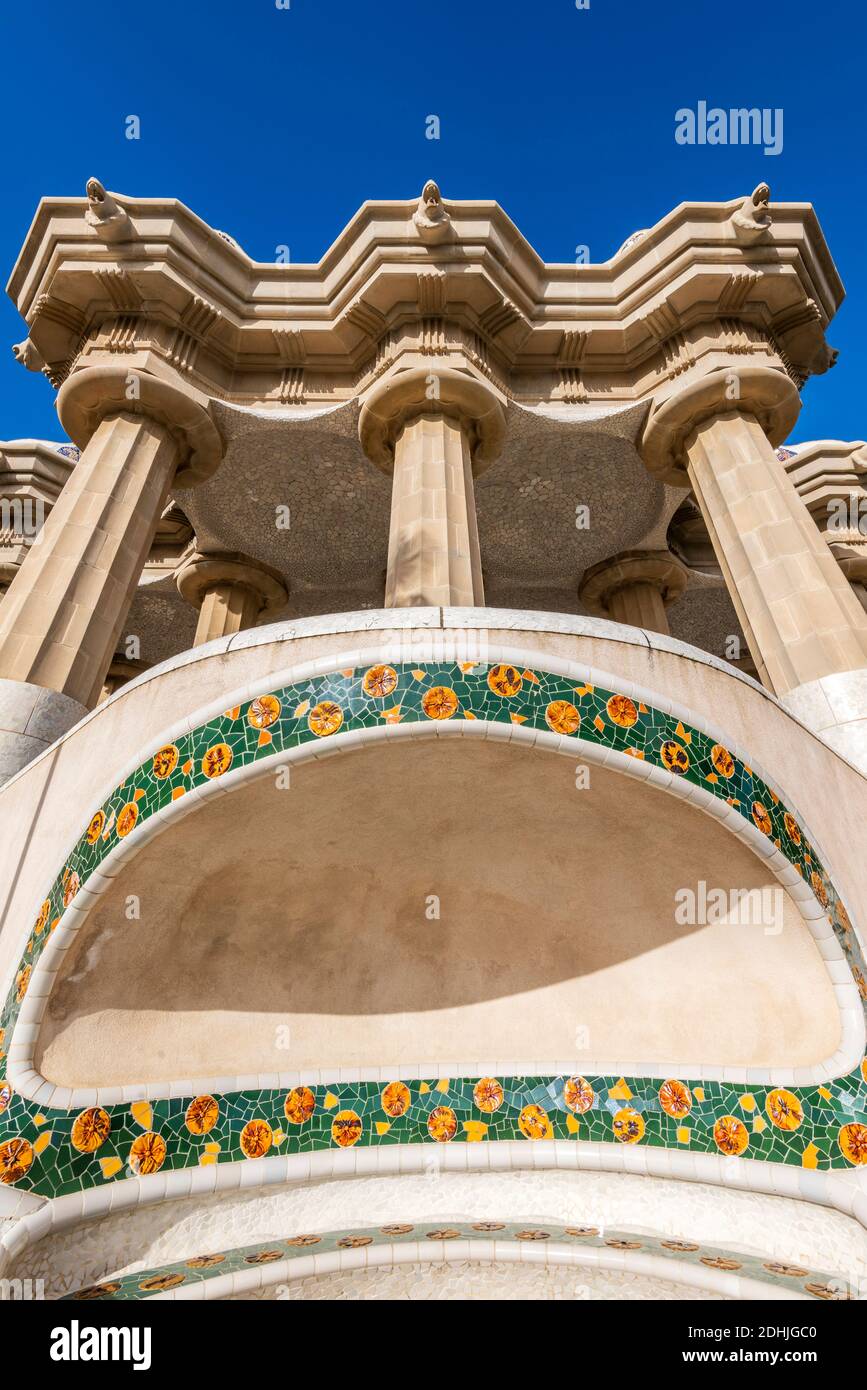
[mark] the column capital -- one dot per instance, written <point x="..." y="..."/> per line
<point x="93" y="394"/>
<point x="765" y="393"/>
<point x="433" y="390"/>
<point x="200" y="572"/>
<point x="658" y="568"/>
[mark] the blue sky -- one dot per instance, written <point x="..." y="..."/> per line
<point x="275" y="124"/>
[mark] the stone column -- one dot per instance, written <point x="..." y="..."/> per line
<point x="65" y="609"/>
<point x="634" y="587"/>
<point x="433" y="431"/>
<point x="231" y="592"/>
<point x="801" y="619"/>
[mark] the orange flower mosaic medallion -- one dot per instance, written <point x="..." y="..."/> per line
<point x="165" y="761"/>
<point x="440" y="702"/>
<point x="730" y="1136"/>
<point x="126" y="819"/>
<point x="628" y="1126"/>
<point x="95" y="827"/>
<point x="256" y="1138"/>
<point x="217" y="760"/>
<point x="853" y="1143"/>
<point x="675" y="1099"/>
<point x="722" y="760"/>
<point x="41" y="920"/>
<point x="325" y="718"/>
<point x="147" y="1154"/>
<point x="264" y="711"/>
<point x="158" y="1283"/>
<point x="442" y="1124"/>
<point x="819" y="888"/>
<point x="622" y="711"/>
<point x="299" y="1105"/>
<point x="204" y="1261"/>
<point x="674" y="756"/>
<point x="396" y="1099"/>
<point x="533" y="1122"/>
<point x="22" y="980"/>
<point x="488" y="1095"/>
<point x="346" y="1128"/>
<point x="762" y="817"/>
<point x="562" y="717"/>
<point x="90" y="1130"/>
<point x="71" y="885"/>
<point x="202" y="1114"/>
<point x="505" y="681"/>
<point x="16" y="1156"/>
<point x="5" y="1095"/>
<point x="578" y="1094"/>
<point x="379" y="681"/>
<point x="793" y="830"/>
<point x="784" y="1110"/>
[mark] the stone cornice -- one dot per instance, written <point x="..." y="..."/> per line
<point x="163" y="281"/>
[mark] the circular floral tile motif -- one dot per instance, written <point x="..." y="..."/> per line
<point x="299" y="1105"/>
<point x="683" y="1247"/>
<point x="617" y="1243"/>
<point x="674" y="756"/>
<point x="622" y="711"/>
<point x="379" y="682"/>
<point x="95" y="827"/>
<point x="582" y="1232"/>
<point x="256" y="1138"/>
<point x="5" y="1095"/>
<point x="788" y="1271"/>
<point x="628" y="1126"/>
<point x="447" y="1233"/>
<point x="488" y="1095"/>
<point x="793" y="830"/>
<point x="397" y="1229"/>
<point x="158" y="1283"/>
<point x="533" y="1122"/>
<point x="202" y="1114"/>
<point x="205" y="1261"/>
<point x="217" y="760"/>
<point x="354" y="1242"/>
<point x="843" y="918"/>
<point x="90" y="1129"/>
<point x="16" y="1156"/>
<point x="762" y="817"/>
<point x="302" y="1240"/>
<point x="325" y="718"/>
<point x="722" y="760"/>
<point x="819" y="888"/>
<point x="39" y="924"/>
<point x="505" y="681"/>
<point x="730" y="1135"/>
<point x="675" y="1099"/>
<point x="71" y="885"/>
<point x="489" y="1225"/>
<point x="264" y="711"/>
<point x="853" y="1143"/>
<point x="719" y="1262"/>
<point x="165" y="760"/>
<point x="147" y="1154"/>
<point x="784" y="1109"/>
<point x="578" y="1094"/>
<point x="126" y="819"/>
<point x="562" y="717"/>
<point x="440" y="702"/>
<point x="532" y="1235"/>
<point x="442" y="1124"/>
<point x="396" y="1099"/>
<point x="263" y="1257"/>
<point x="92" y="1292"/>
<point x="830" y="1290"/>
<point x="346" y="1128"/>
<point x="22" y="980"/>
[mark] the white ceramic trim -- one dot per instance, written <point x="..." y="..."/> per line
<point x="21" y="1070"/>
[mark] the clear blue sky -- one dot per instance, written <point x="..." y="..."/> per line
<point x="276" y="124"/>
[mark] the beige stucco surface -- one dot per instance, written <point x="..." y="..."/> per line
<point x="43" y="810"/>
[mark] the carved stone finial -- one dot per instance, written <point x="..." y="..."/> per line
<point x="430" y="217"/>
<point x="28" y="354"/>
<point x="107" y="218"/>
<point x="752" y="221"/>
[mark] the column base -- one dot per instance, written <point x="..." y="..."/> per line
<point x="31" y="719"/>
<point x="835" y="707"/>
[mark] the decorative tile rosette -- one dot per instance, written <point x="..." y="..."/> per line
<point x="55" y="1151"/>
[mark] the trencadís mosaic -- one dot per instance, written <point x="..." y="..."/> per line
<point x="55" y="1151"/>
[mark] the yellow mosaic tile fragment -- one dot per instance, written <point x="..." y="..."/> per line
<point x="583" y="689"/>
<point x="825" y="1093"/>
<point x="443" y="1085"/>
<point x="142" y="1113"/>
<point x="178" y="792"/>
<point x="572" y="1123"/>
<point x="683" y="734"/>
<point x="635" y="753"/>
<point x="683" y="1134"/>
<point x="213" y="1147"/>
<point x="418" y="675"/>
<point x="598" y="724"/>
<point x="698" y="1092"/>
<point x="468" y="714"/>
<point x="42" y="1141"/>
<point x="278" y="1136"/>
<point x="642" y="709"/>
<point x="301" y="709"/>
<point x="423" y="1089"/>
<point x="264" y="737"/>
<point x="392" y="716"/>
<point x="39" y="1119"/>
<point x="532" y="677"/>
<point x="110" y="1167"/>
<point x="475" y="1130"/>
<point x="138" y="794"/>
<point x="232" y="713"/>
<point x="330" y="1101"/>
<point x="748" y="1103"/>
<point x="466" y="666"/>
<point x="759" y="1124"/>
<point x="349" y="672"/>
<point x="518" y="718"/>
<point x="205" y="1160"/>
<point x="186" y="769"/>
<point x="383" y="1126"/>
<point x="620" y="1091"/>
<point x="810" y="1157"/>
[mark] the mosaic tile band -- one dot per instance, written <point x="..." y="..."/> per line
<point x="52" y="1151"/>
<point x="184" y="1274"/>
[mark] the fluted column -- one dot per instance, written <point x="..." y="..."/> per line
<point x="433" y="432"/>
<point x="800" y="617"/>
<point x="65" y="609"/>
<point x="230" y="591"/>
<point x="635" y="587"/>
